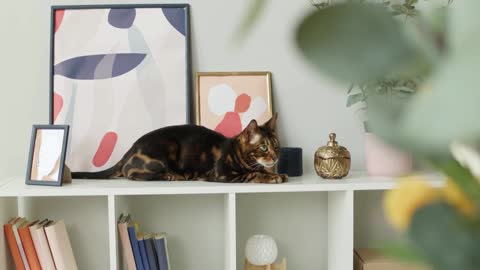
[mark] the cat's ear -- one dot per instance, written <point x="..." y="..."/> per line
<point x="250" y="133"/>
<point x="272" y="123"/>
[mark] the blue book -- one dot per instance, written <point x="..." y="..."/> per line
<point x="149" y="246"/>
<point x="160" y="240"/>
<point x="135" y="247"/>
<point x="143" y="251"/>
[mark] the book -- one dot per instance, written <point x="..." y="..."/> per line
<point x="13" y="245"/>
<point x="143" y="251"/>
<point x="41" y="245"/>
<point x="20" y="222"/>
<point x="160" y="240"/>
<point x="134" y="243"/>
<point x="151" y="254"/>
<point x="60" y="246"/>
<point x="28" y="246"/>
<point x="125" y="240"/>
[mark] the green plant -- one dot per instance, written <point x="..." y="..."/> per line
<point x="438" y="124"/>
<point x="390" y="86"/>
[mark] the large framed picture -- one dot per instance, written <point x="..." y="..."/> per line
<point x="46" y="161"/>
<point x="227" y="101"/>
<point x="117" y="72"/>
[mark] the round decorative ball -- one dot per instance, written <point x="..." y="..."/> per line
<point x="261" y="250"/>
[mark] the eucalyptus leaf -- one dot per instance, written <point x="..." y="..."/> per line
<point x="379" y="48"/>
<point x="255" y="10"/>
<point x="447" y="108"/>
<point x="464" y="24"/>
<point x="354" y="99"/>
<point x="445" y="238"/>
<point x="462" y="177"/>
<point x="404" y="251"/>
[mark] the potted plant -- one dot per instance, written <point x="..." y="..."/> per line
<point x="383" y="159"/>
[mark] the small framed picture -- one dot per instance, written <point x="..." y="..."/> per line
<point x="227" y="101"/>
<point x="46" y="161"/>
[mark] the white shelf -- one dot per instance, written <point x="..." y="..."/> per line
<point x="221" y="215"/>
<point x="307" y="183"/>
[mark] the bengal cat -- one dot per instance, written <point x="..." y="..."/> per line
<point x="190" y="152"/>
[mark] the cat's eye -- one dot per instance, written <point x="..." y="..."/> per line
<point x="263" y="148"/>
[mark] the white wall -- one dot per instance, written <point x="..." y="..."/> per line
<point x="308" y="104"/>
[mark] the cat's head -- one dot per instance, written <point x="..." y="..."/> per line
<point x="259" y="145"/>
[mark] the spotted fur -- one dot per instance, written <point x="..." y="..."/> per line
<point x="186" y="153"/>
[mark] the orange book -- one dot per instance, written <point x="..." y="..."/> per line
<point x="12" y="244"/>
<point x="28" y="246"/>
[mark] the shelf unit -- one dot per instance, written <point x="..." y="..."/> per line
<point x="207" y="223"/>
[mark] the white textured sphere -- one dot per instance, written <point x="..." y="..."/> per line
<point x="261" y="250"/>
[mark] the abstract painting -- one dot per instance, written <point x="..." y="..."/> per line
<point x="228" y="101"/>
<point x="117" y="72"/>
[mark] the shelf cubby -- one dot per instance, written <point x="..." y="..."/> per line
<point x="301" y="238"/>
<point x="371" y="228"/>
<point x="194" y="224"/>
<point x="86" y="219"/>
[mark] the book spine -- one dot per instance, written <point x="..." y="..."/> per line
<point x="20" y="247"/>
<point x="42" y="248"/>
<point x="60" y="246"/>
<point x="126" y="246"/>
<point x="152" y="257"/>
<point x="162" y="253"/>
<point x="143" y="253"/>
<point x="29" y="247"/>
<point x="12" y="244"/>
<point x="135" y="248"/>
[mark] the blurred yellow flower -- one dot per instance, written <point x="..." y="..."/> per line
<point x="401" y="203"/>
<point x="455" y="196"/>
<point x="413" y="192"/>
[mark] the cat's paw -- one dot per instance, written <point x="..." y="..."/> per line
<point x="278" y="178"/>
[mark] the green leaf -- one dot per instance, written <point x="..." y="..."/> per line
<point x="445" y="238"/>
<point x="357" y="42"/>
<point x="448" y="106"/>
<point x="350" y="88"/>
<point x="354" y="99"/>
<point x="403" y="251"/>
<point x="464" y="26"/>
<point x="462" y="177"/>
<point x="255" y="10"/>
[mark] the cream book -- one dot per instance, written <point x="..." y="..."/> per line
<point x="60" y="246"/>
<point x="41" y="245"/>
<point x="19" y="223"/>
<point x="128" y="258"/>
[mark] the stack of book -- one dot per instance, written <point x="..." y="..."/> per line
<point x="142" y="251"/>
<point x="38" y="245"/>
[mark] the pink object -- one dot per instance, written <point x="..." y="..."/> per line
<point x="384" y="160"/>
<point x="230" y="125"/>
<point x="105" y="149"/>
<point x="58" y="18"/>
<point x="242" y="103"/>
<point x="57" y="105"/>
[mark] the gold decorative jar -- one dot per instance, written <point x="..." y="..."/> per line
<point x="332" y="161"/>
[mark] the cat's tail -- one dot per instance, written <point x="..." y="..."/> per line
<point x="115" y="171"/>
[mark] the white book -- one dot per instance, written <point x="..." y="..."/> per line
<point x="60" y="246"/>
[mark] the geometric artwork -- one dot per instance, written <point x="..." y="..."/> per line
<point x="228" y="101"/>
<point x="117" y="72"/>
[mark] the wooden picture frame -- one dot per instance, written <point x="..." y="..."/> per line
<point x="227" y="101"/>
<point x="111" y="65"/>
<point x="46" y="160"/>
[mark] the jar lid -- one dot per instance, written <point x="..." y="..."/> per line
<point x="332" y="149"/>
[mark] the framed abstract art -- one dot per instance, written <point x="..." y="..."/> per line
<point x="117" y="72"/>
<point x="227" y="101"/>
